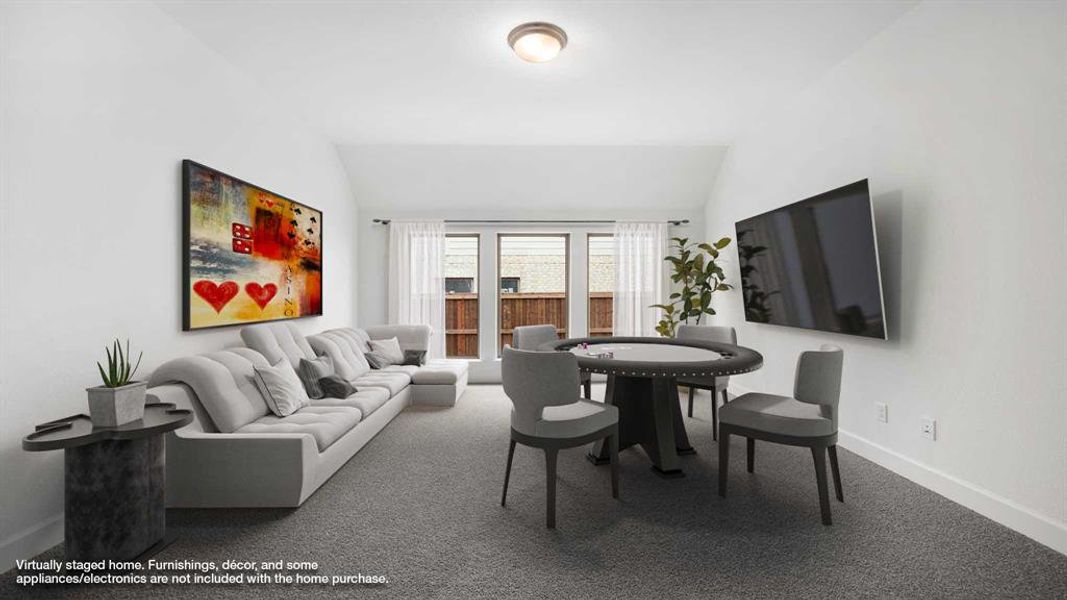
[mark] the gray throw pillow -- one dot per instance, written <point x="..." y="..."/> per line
<point x="376" y="360"/>
<point x="415" y="358"/>
<point x="311" y="371"/>
<point x="389" y="348"/>
<point x="336" y="387"/>
<point x="281" y="388"/>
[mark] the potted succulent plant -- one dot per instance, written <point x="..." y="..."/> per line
<point x="119" y="400"/>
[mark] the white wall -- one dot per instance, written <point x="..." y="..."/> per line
<point x="99" y="105"/>
<point x="957" y="115"/>
<point x="531" y="178"/>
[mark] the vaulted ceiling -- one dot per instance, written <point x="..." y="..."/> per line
<point x="431" y="110"/>
<point x="442" y="73"/>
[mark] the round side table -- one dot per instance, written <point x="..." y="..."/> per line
<point x="114" y="501"/>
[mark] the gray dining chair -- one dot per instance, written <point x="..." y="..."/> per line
<point x="808" y="418"/>
<point x="531" y="337"/>
<point x="548" y="414"/>
<point x="716" y="385"/>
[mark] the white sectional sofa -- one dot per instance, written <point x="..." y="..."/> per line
<point x="236" y="453"/>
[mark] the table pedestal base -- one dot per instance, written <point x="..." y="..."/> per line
<point x="114" y="498"/>
<point x="650" y="415"/>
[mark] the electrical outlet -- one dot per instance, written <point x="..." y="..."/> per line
<point x="881" y="412"/>
<point x="929" y="429"/>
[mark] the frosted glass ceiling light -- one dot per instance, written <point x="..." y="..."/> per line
<point x="537" y="42"/>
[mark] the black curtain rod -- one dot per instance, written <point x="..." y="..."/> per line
<point x="674" y="222"/>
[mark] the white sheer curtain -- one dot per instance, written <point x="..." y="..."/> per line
<point x="639" y="252"/>
<point x="417" y="278"/>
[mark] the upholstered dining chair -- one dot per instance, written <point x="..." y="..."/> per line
<point x="531" y="337"/>
<point x="548" y="414"/>
<point x="716" y="385"/>
<point x="808" y="418"/>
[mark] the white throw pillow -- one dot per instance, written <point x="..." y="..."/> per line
<point x="389" y="348"/>
<point x="281" y="388"/>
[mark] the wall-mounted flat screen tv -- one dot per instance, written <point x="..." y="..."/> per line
<point x="814" y="264"/>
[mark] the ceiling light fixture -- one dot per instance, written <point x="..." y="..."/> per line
<point x="537" y="42"/>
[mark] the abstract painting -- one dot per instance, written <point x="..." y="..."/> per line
<point x="250" y="254"/>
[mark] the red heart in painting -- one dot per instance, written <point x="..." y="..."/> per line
<point x="216" y="295"/>
<point x="262" y="294"/>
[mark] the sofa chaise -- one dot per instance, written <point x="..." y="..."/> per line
<point x="236" y="453"/>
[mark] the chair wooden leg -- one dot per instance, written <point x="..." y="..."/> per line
<point x="507" y="473"/>
<point x="819" y="454"/>
<point x="725" y="396"/>
<point x="714" y="415"/>
<point x="613" y="452"/>
<point x="751" y="454"/>
<point x="588" y="386"/>
<point x="550" y="480"/>
<point x="836" y="472"/>
<point x="691" y="402"/>
<point x="724" y="461"/>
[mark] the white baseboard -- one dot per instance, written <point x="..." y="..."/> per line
<point x="1008" y="513"/>
<point x="31" y="541"/>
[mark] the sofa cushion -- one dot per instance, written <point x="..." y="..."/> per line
<point x="393" y="381"/>
<point x="411" y="337"/>
<point x="414" y="357"/>
<point x="356" y="337"/>
<point x="389" y="348"/>
<point x="377" y="361"/>
<point x="281" y="387"/>
<point x="311" y="371"/>
<point x="441" y="371"/>
<point x="325" y="423"/>
<point x="334" y="386"/>
<point x="223" y="383"/>
<point x="345" y="351"/>
<point x="366" y="400"/>
<point x="410" y="370"/>
<point x="277" y="340"/>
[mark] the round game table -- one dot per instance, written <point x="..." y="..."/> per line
<point x="642" y="384"/>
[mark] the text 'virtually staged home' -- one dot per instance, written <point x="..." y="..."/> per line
<point x="506" y="299"/>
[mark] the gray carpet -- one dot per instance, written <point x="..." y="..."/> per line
<point x="420" y="505"/>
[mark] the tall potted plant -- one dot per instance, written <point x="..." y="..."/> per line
<point x="120" y="400"/>
<point x="696" y="275"/>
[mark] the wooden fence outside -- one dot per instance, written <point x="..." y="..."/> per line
<point x="461" y="317"/>
<point x="600" y="313"/>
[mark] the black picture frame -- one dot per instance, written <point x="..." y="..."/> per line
<point x="187" y="167"/>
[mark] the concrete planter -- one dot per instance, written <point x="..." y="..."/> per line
<point x="111" y="407"/>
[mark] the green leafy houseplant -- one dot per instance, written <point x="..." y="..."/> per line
<point x="119" y="372"/>
<point x="696" y="276"/>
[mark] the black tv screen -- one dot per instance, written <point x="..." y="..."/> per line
<point x="814" y="264"/>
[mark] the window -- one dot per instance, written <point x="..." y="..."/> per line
<point x="461" y="296"/>
<point x="601" y="283"/>
<point x="532" y="274"/>
<point x="460" y="285"/>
